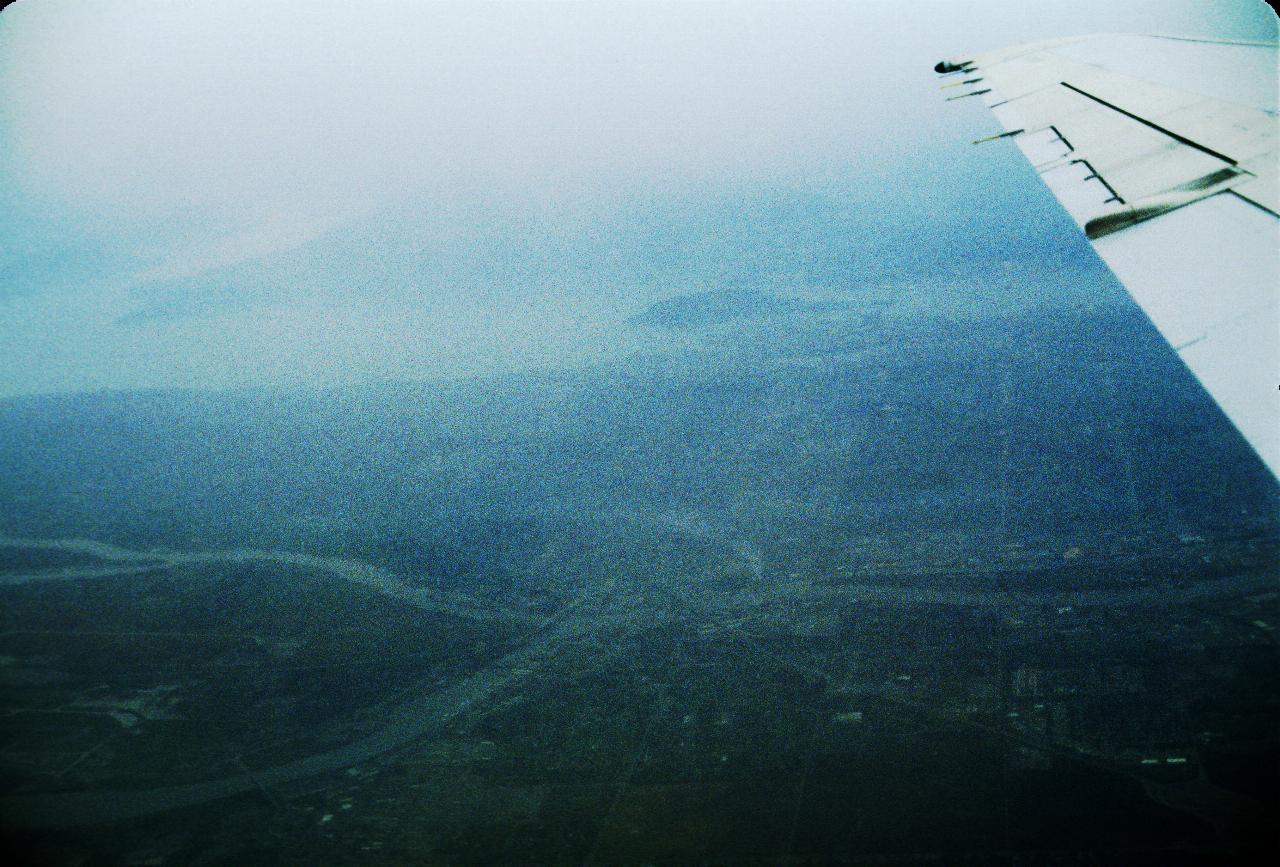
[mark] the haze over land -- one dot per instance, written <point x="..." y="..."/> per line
<point x="253" y="195"/>
<point x="635" y="433"/>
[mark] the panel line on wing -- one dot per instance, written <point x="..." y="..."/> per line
<point x="1209" y="332"/>
<point x="1142" y="120"/>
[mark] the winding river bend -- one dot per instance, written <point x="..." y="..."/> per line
<point x="431" y="711"/>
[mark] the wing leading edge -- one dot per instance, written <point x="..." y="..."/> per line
<point x="1171" y="172"/>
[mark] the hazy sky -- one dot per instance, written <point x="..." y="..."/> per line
<point x="207" y="195"/>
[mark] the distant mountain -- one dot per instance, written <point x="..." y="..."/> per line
<point x="712" y="308"/>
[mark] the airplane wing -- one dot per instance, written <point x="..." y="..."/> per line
<point x="1164" y="151"/>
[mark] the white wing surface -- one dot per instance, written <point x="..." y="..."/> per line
<point x="1165" y="152"/>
